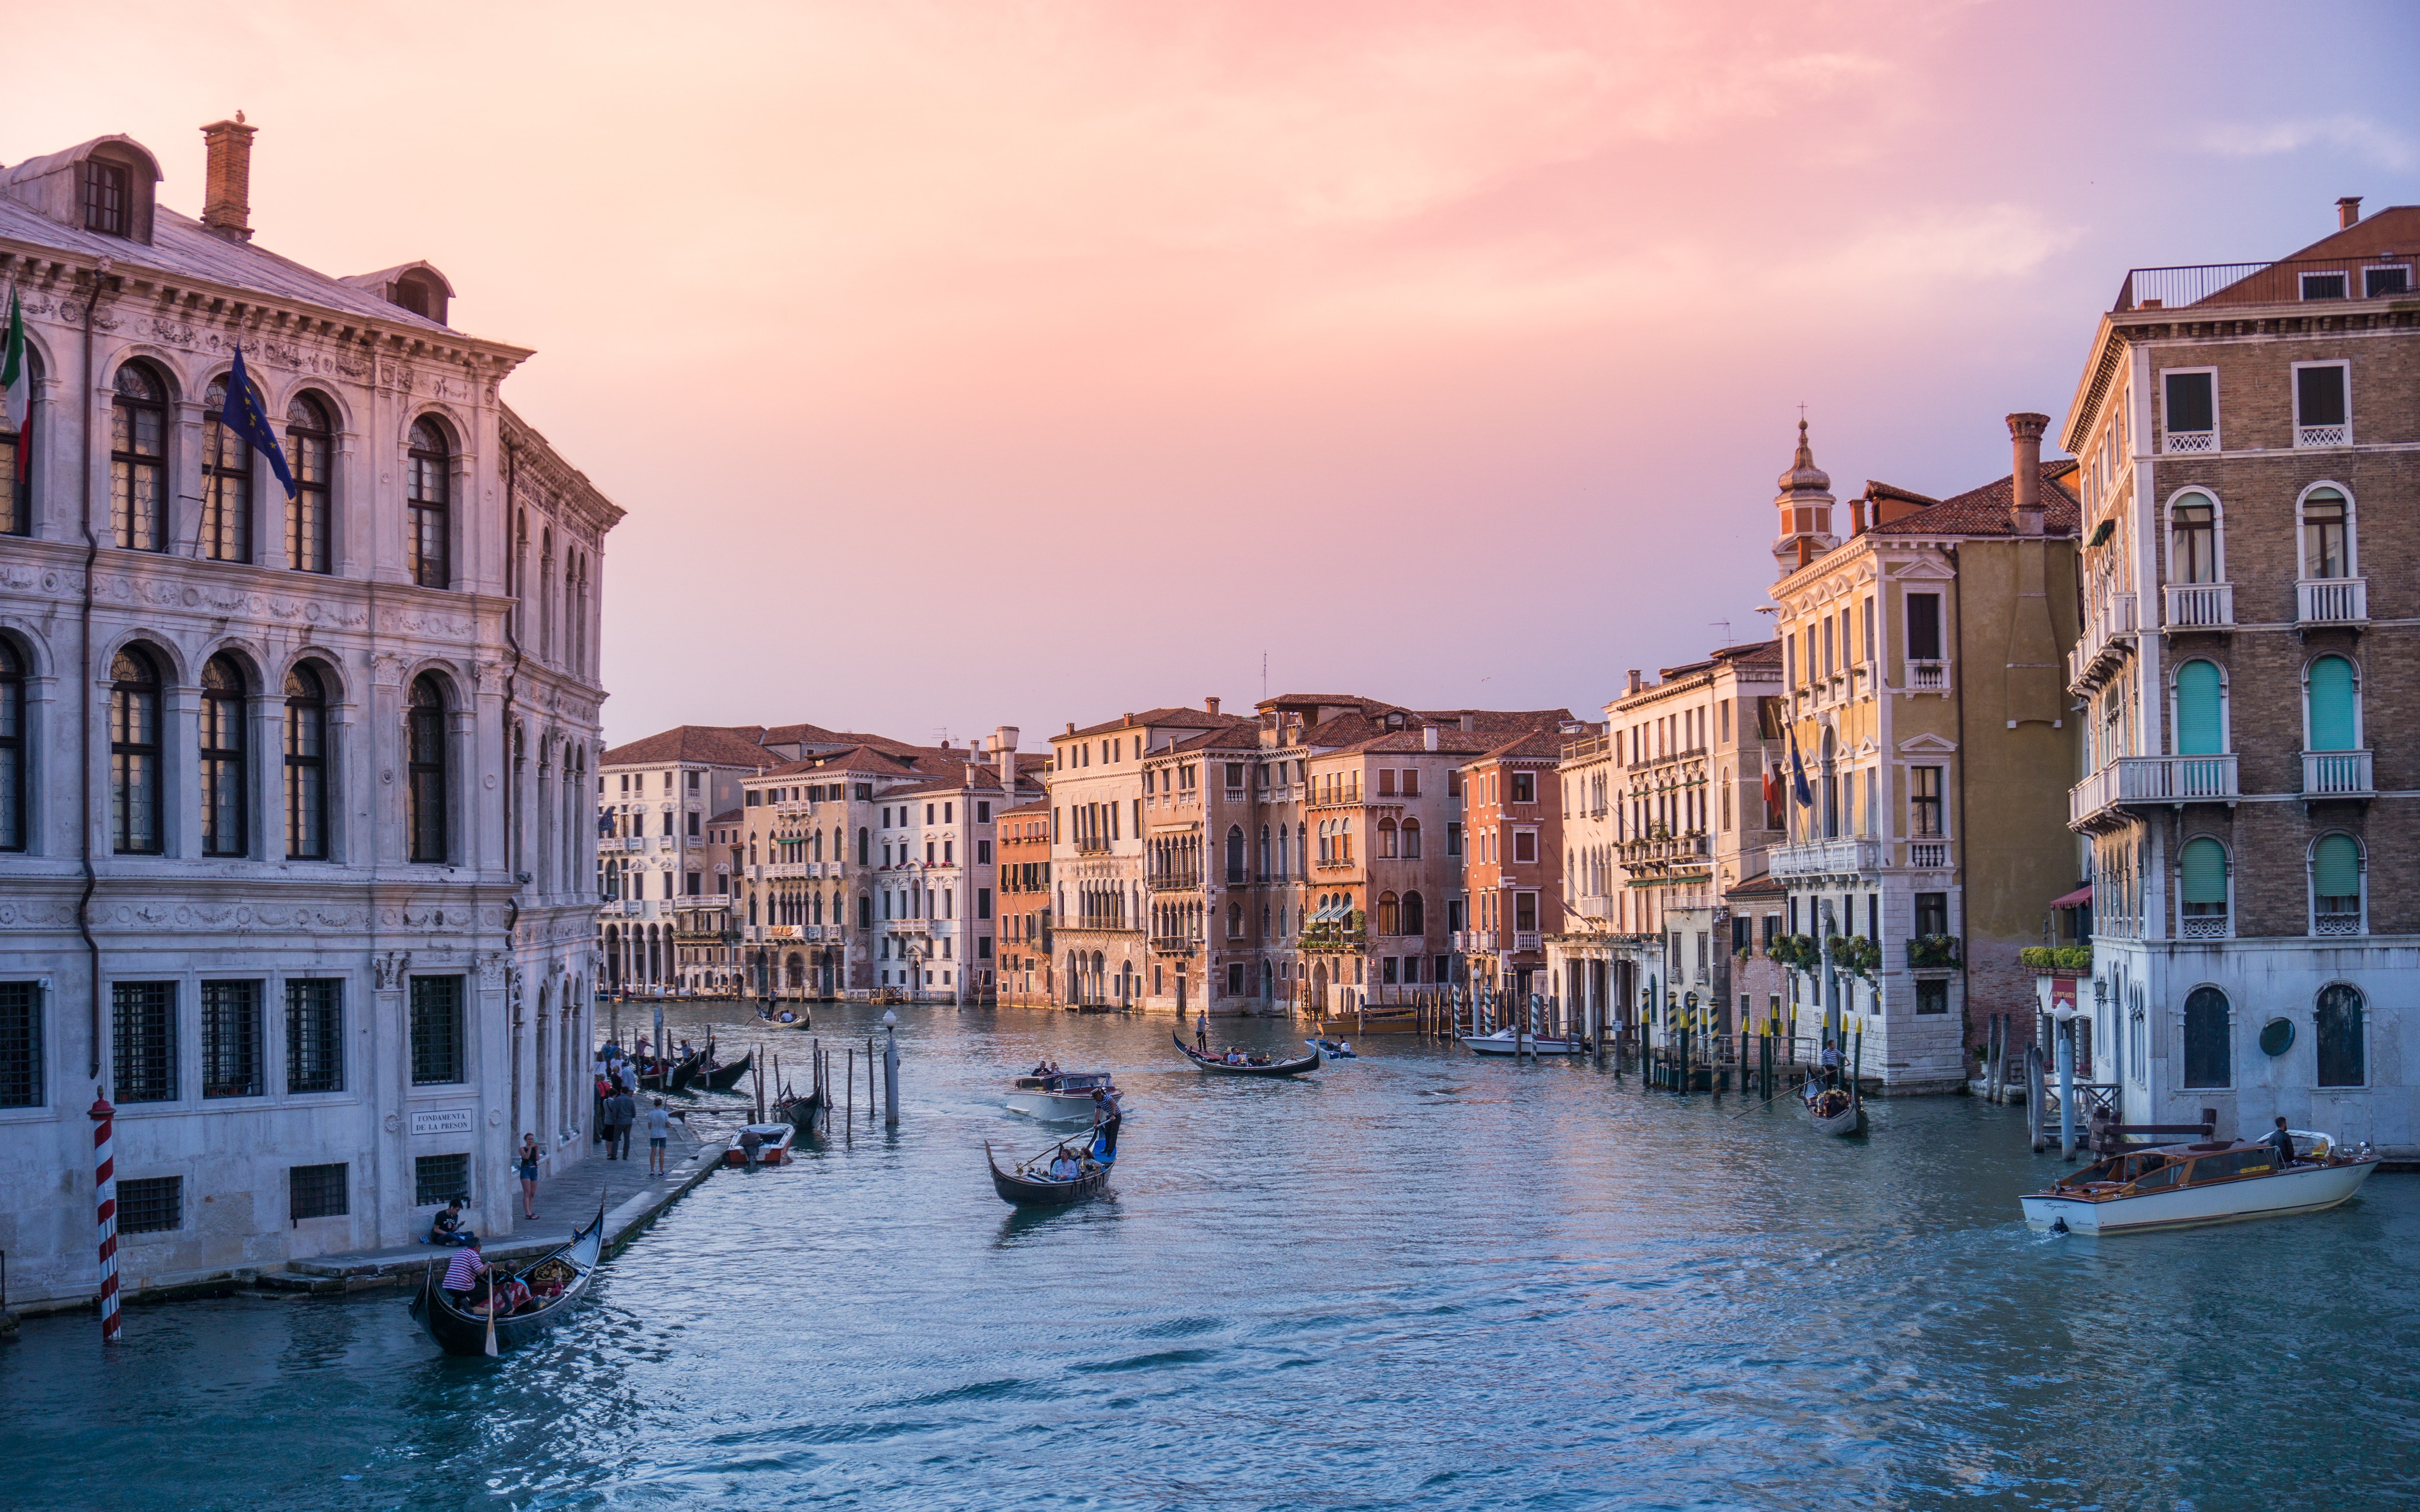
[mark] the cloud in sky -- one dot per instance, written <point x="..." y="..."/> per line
<point x="974" y="363"/>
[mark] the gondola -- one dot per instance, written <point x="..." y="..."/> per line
<point x="765" y="1016"/>
<point x="723" y="1078"/>
<point x="1041" y="1192"/>
<point x="1279" y="1068"/>
<point x="673" y="1080"/>
<point x="1335" y="1049"/>
<point x="807" y="1114"/>
<point x="461" y="1332"/>
<point x="1848" y="1119"/>
<point x="685" y="1074"/>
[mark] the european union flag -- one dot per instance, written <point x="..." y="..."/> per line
<point x="1798" y="788"/>
<point x="244" y="416"/>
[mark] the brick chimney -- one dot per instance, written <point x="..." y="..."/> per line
<point x="2348" y="212"/>
<point x="226" y="191"/>
<point x="1428" y="737"/>
<point x="2024" y="440"/>
<point x="1634" y="683"/>
<point x="1210" y="705"/>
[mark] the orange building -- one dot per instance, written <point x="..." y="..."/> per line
<point x="1024" y="950"/>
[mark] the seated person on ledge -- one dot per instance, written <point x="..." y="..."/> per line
<point x="447" y="1228"/>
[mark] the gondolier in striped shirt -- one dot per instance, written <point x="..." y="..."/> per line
<point x="1105" y="1117"/>
<point x="462" y="1275"/>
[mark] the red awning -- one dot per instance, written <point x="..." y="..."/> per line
<point x="2074" y="899"/>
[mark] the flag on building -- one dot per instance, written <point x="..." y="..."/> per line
<point x="1771" y="785"/>
<point x="16" y="373"/>
<point x="1798" y="788"/>
<point x="242" y="415"/>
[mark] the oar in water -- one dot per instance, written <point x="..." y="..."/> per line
<point x="1753" y="1107"/>
<point x="491" y="1313"/>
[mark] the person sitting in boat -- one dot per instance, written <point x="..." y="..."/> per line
<point x="1235" y="1055"/>
<point x="2282" y="1142"/>
<point x="447" y="1228"/>
<point x="1064" y="1167"/>
<point x="749" y="1142"/>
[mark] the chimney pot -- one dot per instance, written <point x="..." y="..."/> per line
<point x="1210" y="705"/>
<point x="226" y="189"/>
<point x="1469" y="723"/>
<point x="1632" y="684"/>
<point x="2347" y="210"/>
<point x="2024" y="443"/>
<point x="1429" y="738"/>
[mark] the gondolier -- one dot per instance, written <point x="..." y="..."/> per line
<point x="1202" y="1031"/>
<point x="1106" y="1118"/>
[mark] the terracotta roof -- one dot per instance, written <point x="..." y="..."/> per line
<point x="1181" y="719"/>
<point x="1244" y="733"/>
<point x="1989" y="510"/>
<point x="1763" y="885"/>
<point x="1451" y="740"/>
<point x="1542" y="743"/>
<point x="1039" y="806"/>
<point x="718" y="745"/>
<point x="728" y="816"/>
<point x="1761" y="652"/>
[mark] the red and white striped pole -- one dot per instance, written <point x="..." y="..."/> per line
<point x="104" y="1179"/>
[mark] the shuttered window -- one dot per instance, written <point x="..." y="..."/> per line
<point x="2336" y="874"/>
<point x="2198" y="729"/>
<point x="2331" y="707"/>
<point x="2204" y="866"/>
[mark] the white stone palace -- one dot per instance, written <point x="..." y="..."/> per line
<point x="296" y="855"/>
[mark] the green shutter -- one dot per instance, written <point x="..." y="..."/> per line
<point x="2204" y="865"/>
<point x="2336" y="867"/>
<point x="2197" y="723"/>
<point x="2331" y="722"/>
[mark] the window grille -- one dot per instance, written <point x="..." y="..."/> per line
<point x="154" y="1205"/>
<point x="143" y="1035"/>
<point x="231" y="1038"/>
<point x="20" y="1044"/>
<point x="437" y="1180"/>
<point x="316" y="1192"/>
<point x="315" y="1036"/>
<point x="437" y="1038"/>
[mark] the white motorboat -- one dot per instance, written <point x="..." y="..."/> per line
<point x="1501" y="1044"/>
<point x="772" y="1144"/>
<point x="2180" y="1186"/>
<point x="1057" y="1099"/>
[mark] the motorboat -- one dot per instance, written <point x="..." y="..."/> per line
<point x="1503" y="1043"/>
<point x="1334" y="1049"/>
<point x="2180" y="1186"/>
<point x="1057" y="1097"/>
<point x="772" y="1143"/>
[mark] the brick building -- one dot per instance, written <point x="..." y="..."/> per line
<point x="1513" y="843"/>
<point x="2250" y="437"/>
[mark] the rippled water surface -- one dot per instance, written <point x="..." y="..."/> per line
<point x="1416" y="1280"/>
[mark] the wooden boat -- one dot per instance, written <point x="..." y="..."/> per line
<point x="723" y="1078"/>
<point x="1334" y="1049"/>
<point x="806" y="1115"/>
<point x="1068" y="1095"/>
<point x="685" y="1076"/>
<point x="773" y="1144"/>
<point x="1028" y="1188"/>
<point x="673" y="1078"/>
<point x="2180" y="1186"/>
<point x="1847" y="1114"/>
<point x="1501" y="1044"/>
<point x="798" y="1020"/>
<point x="458" y="1330"/>
<point x="1275" y="1068"/>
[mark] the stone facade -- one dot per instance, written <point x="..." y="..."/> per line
<point x="660" y="869"/>
<point x="296" y="866"/>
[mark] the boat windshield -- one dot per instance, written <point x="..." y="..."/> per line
<point x="2257" y="1161"/>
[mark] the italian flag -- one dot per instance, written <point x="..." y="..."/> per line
<point x="16" y="377"/>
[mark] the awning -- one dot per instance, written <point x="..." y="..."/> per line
<point x="2074" y="899"/>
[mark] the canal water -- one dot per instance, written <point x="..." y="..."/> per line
<point x="1416" y="1280"/>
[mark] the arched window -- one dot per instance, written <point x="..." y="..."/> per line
<point x="2201" y="886"/>
<point x="221" y="758"/>
<point x="134" y="754"/>
<point x="1234" y="854"/>
<point x="1235" y="921"/>
<point x="1411" y="839"/>
<point x="227" y="482"/>
<point x="1264" y="845"/>
<point x="2333" y="713"/>
<point x="2336" y="885"/>
<point x="2201" y="726"/>
<point x="1416" y="914"/>
<point x="309" y="438"/>
<point x="2208" y="1058"/>
<point x="306" y="766"/>
<point x="751" y="908"/>
<point x="1387" y="839"/>
<point x="12" y="748"/>
<point x="2327" y="535"/>
<point x="425" y="796"/>
<point x="1323" y="840"/>
<point x="2193" y="539"/>
<point x="1388" y="916"/>
<point x="429" y="485"/>
<point x="2342" y="1062"/>
<point x="138" y="461"/>
<point x="17" y="459"/>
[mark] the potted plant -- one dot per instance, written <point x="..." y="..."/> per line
<point x="1933" y="950"/>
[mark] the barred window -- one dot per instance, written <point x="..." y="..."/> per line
<point x="306" y="766"/>
<point x="231" y="1039"/>
<point x="428" y="483"/>
<point x="437" y="1180"/>
<point x="134" y="754"/>
<point x="425" y="796"/>
<point x="20" y="1044"/>
<point x="315" y="1036"/>
<point x="143" y="1026"/>
<point x="316" y="1192"/>
<point x="17" y="458"/>
<point x="437" y="1038"/>
<point x="154" y="1205"/>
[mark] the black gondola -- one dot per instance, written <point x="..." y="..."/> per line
<point x="808" y="1114"/>
<point x="803" y="1020"/>
<point x="679" y="1077"/>
<point x="723" y="1078"/>
<point x="1032" y="1192"/>
<point x="1275" y="1068"/>
<point x="461" y="1332"/>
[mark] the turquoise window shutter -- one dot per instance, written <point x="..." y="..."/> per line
<point x="2204" y="868"/>
<point x="2199" y="730"/>
<point x="2332" y="710"/>
<point x="2336" y="868"/>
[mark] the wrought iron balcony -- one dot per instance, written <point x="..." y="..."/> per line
<point x="2200" y="606"/>
<point x="1092" y="845"/>
<point x="1180" y="881"/>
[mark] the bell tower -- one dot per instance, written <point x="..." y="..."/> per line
<point x="1806" y="503"/>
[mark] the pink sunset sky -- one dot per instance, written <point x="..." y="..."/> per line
<point x="964" y="364"/>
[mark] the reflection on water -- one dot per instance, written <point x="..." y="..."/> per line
<point x="1415" y="1280"/>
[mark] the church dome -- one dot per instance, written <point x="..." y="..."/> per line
<point x="1804" y="475"/>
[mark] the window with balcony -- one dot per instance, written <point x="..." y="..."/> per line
<point x="1924" y="802"/>
<point x="2337" y="873"/>
<point x="2332" y="703"/>
<point x="2193" y="539"/>
<point x="2191" y="423"/>
<point x="2322" y="411"/>
<point x="1933" y="913"/>
<point x="2201" y="889"/>
<point x="2200" y="709"/>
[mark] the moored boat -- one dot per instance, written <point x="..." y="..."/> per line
<point x="772" y="1143"/>
<point x="2180" y="1186"/>
<point x="723" y="1078"/>
<point x="804" y="1112"/>
<point x="1265" y="1068"/>
<point x="669" y="1078"/>
<point x="1833" y="1110"/>
<point x="1057" y="1097"/>
<point x="557" y="1281"/>
<point x="1031" y="1186"/>
<point x="1501" y="1044"/>
<point x="1334" y="1049"/>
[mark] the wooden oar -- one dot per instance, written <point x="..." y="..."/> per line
<point x="491" y="1312"/>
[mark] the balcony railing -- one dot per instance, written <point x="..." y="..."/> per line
<point x="2108" y="634"/>
<point x="2289" y="280"/>
<point x="1524" y="939"/>
<point x="1928" y="676"/>
<point x="1174" y="944"/>
<point x="1843" y="857"/>
<point x="2153" y="780"/>
<point x="2336" y="774"/>
<point x="1092" y="845"/>
<point x="2331" y="601"/>
<point x="2189" y="441"/>
<point x="2200" y="605"/>
<point x="2202" y="926"/>
<point x="2336" y="923"/>
<point x="1173" y="882"/>
<point x="2337" y="435"/>
<point x="1928" y="855"/>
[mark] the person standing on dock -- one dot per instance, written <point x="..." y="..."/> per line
<point x="620" y="1113"/>
<point x="660" y="1129"/>
<point x="1105" y="1117"/>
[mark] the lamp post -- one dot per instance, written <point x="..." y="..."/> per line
<point x="2065" y="1013"/>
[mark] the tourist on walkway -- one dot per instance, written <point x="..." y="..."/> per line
<point x="623" y="1110"/>
<point x="527" y="1163"/>
<point x="660" y="1129"/>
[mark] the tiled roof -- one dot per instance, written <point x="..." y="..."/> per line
<point x="1235" y="734"/>
<point x="1039" y="806"/>
<point x="1763" y="885"/>
<point x="1542" y="742"/>
<point x="728" y="816"/>
<point x="1990" y="509"/>
<point x="719" y="744"/>
<point x="1451" y="740"/>
<point x="1762" y="651"/>
<point x="1181" y="718"/>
